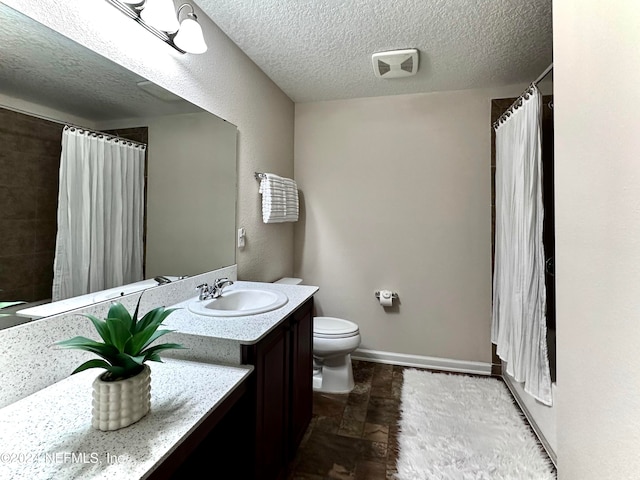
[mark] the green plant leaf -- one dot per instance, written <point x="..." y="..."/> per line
<point x="155" y="336"/>
<point x="95" y="363"/>
<point x="154" y="357"/>
<point x="153" y="351"/>
<point x="119" y="332"/>
<point x="155" y="317"/>
<point x="117" y="310"/>
<point x="141" y="339"/>
<point x="127" y="361"/>
<point x="151" y="318"/>
<point x="134" y="319"/>
<point x="83" y="343"/>
<point x="101" y="327"/>
<point x="168" y="311"/>
<point x="139" y="359"/>
<point x="108" y="352"/>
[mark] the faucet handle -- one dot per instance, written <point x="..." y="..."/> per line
<point x="203" y="289"/>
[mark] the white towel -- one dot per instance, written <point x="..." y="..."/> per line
<point x="279" y="199"/>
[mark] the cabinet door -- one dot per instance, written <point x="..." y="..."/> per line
<point x="301" y="375"/>
<point x="283" y="391"/>
<point x="270" y="360"/>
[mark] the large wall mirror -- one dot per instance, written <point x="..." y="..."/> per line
<point x="47" y="81"/>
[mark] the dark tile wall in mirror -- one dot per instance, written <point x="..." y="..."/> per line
<point x="29" y="165"/>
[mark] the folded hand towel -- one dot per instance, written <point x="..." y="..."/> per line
<point x="279" y="199"/>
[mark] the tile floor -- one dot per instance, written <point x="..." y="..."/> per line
<point x="354" y="436"/>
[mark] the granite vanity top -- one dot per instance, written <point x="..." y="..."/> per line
<point x="245" y="330"/>
<point x="49" y="435"/>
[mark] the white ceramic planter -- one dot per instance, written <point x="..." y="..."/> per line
<point x="123" y="402"/>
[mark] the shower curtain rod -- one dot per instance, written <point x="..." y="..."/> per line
<point x="543" y="74"/>
<point x="108" y="136"/>
<point x="60" y="122"/>
<point x="518" y="101"/>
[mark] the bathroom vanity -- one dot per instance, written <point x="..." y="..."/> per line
<point x="236" y="402"/>
<point x="278" y="345"/>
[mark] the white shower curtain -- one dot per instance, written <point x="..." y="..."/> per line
<point x="519" y="295"/>
<point x="100" y="214"/>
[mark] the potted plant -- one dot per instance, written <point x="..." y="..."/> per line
<point x="122" y="394"/>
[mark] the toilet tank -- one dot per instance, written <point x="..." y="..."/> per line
<point x="289" y="281"/>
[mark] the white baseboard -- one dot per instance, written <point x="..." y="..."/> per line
<point x="420" y="361"/>
<point x="530" y="417"/>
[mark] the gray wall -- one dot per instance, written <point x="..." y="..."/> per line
<point x="397" y="195"/>
<point x="191" y="194"/>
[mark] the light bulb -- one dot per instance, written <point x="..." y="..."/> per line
<point x="190" y="38"/>
<point x="161" y="15"/>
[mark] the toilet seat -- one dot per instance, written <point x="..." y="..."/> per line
<point x="330" y="327"/>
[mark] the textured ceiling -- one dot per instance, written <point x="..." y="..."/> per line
<point x="321" y="49"/>
<point x="44" y="67"/>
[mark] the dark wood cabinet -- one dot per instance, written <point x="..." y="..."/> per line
<point x="283" y="391"/>
<point x="301" y="376"/>
<point x="270" y="385"/>
<point x="218" y="445"/>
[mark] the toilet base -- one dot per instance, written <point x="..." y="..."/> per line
<point x="334" y="376"/>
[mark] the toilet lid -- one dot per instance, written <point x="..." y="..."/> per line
<point x="335" y="327"/>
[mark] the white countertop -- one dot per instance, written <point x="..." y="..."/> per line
<point x="244" y="330"/>
<point x="49" y="435"/>
<point x="53" y="308"/>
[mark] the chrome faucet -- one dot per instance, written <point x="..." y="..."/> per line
<point x="205" y="291"/>
<point x="220" y="283"/>
<point x="213" y="291"/>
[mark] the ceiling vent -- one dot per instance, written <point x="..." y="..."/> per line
<point x="395" y="63"/>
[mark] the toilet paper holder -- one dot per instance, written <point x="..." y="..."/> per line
<point x="394" y="295"/>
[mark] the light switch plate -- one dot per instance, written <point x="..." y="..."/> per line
<point x="241" y="235"/>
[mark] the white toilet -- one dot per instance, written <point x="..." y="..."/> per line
<point x="333" y="341"/>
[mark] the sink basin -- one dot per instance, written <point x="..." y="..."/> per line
<point x="240" y="302"/>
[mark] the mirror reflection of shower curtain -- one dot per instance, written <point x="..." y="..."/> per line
<point x="519" y="295"/>
<point x="99" y="243"/>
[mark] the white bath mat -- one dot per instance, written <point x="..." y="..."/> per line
<point x="456" y="427"/>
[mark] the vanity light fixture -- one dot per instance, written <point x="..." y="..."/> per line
<point x="189" y="37"/>
<point x="133" y="3"/>
<point x="160" y="18"/>
<point x="161" y="15"/>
